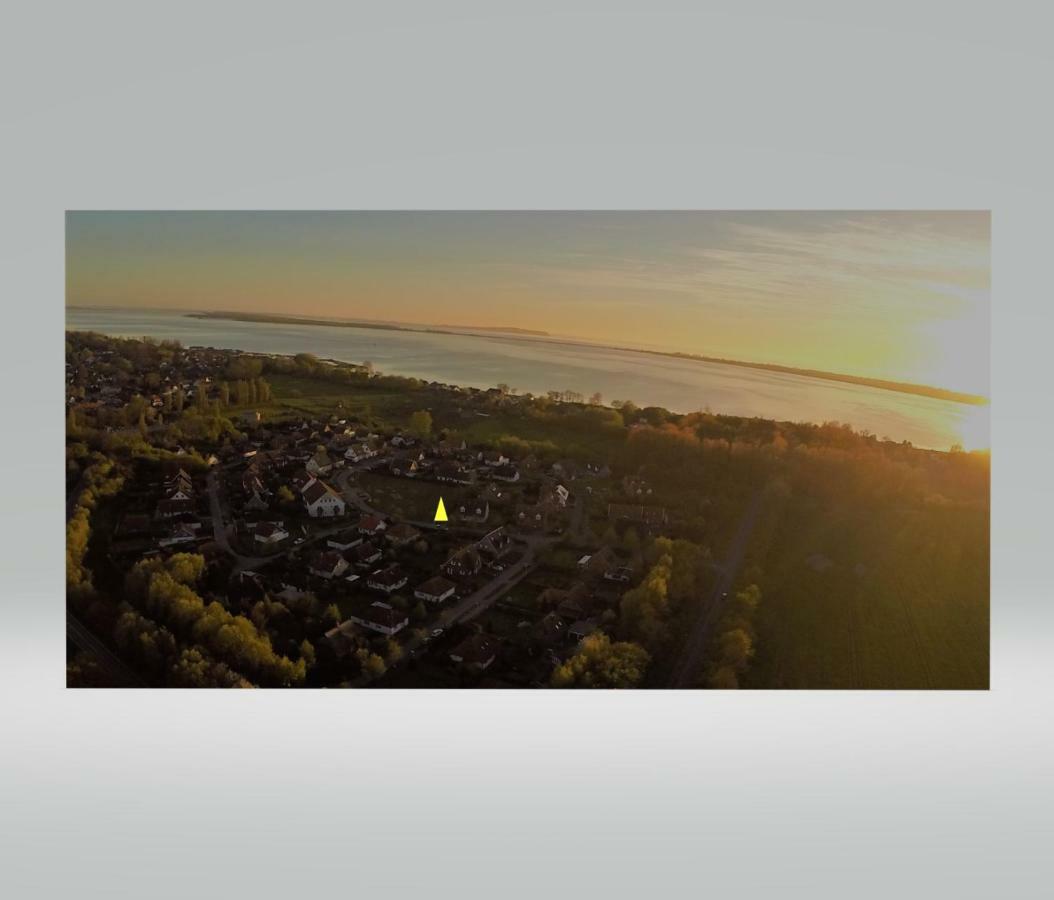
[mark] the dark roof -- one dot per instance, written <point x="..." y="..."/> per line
<point x="389" y="576"/>
<point x="363" y="552"/>
<point x="476" y="649"/>
<point x="327" y="561"/>
<point x="317" y="490"/>
<point x="436" y="586"/>
<point x="380" y="613"/>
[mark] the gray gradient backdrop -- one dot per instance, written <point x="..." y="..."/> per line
<point x="541" y="105"/>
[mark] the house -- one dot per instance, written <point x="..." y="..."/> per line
<point x="495" y="543"/>
<point x="328" y="564"/>
<point x="380" y="617"/>
<point x="364" y="555"/>
<point x="493" y="458"/>
<point x="269" y="533"/>
<point x="464" y="563"/>
<point x="506" y="473"/>
<point x="371" y="524"/>
<point x="388" y="580"/>
<point x="554" y="496"/>
<point x="179" y="486"/>
<point x="344" y="540"/>
<point x="476" y="652"/>
<point x="435" y="590"/>
<point x="403" y="534"/>
<point x="180" y="533"/>
<point x="319" y="464"/>
<point x="620" y="574"/>
<point x="321" y="501"/>
<point x="364" y="449"/>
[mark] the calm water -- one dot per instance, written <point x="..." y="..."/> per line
<point x="678" y="385"/>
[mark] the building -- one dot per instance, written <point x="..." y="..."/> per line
<point x="344" y="540"/>
<point x="329" y="564"/>
<point x="269" y="533"/>
<point x="319" y="464"/>
<point x="465" y="563"/>
<point x="389" y="580"/>
<point x="370" y="524"/>
<point x="477" y="652"/>
<point x="380" y="617"/>
<point x="435" y="590"/>
<point x="364" y="555"/>
<point x="321" y="501"/>
<point x="495" y="544"/>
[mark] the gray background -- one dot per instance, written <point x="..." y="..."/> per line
<point x="540" y="105"/>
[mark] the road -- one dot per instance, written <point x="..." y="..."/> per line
<point x="687" y="669"/>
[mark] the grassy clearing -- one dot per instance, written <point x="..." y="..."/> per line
<point x="406" y="498"/>
<point x="904" y="603"/>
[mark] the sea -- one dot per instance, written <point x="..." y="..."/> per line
<point x="485" y="359"/>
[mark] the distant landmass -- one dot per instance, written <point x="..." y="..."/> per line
<point x="382" y="326"/>
<point x="903" y="387"/>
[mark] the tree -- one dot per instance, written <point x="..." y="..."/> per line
<point x="225" y="394"/>
<point x="307" y="653"/>
<point x="421" y="423"/>
<point x="372" y="664"/>
<point x="285" y="495"/>
<point x="596" y="399"/>
<point x="599" y="663"/>
<point x="723" y="678"/>
<point x="736" y="649"/>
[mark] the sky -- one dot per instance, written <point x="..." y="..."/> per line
<point x="897" y="295"/>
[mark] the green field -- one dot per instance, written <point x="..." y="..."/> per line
<point x="897" y="599"/>
<point x="408" y="498"/>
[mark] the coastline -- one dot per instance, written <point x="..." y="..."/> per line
<point x="901" y="387"/>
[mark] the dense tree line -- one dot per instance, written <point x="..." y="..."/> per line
<point x="163" y="589"/>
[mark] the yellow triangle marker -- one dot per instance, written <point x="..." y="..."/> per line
<point x="441" y="511"/>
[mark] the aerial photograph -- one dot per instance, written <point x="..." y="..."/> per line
<point x="524" y="449"/>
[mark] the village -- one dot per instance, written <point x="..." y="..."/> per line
<point x="306" y="513"/>
<point x="323" y="530"/>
